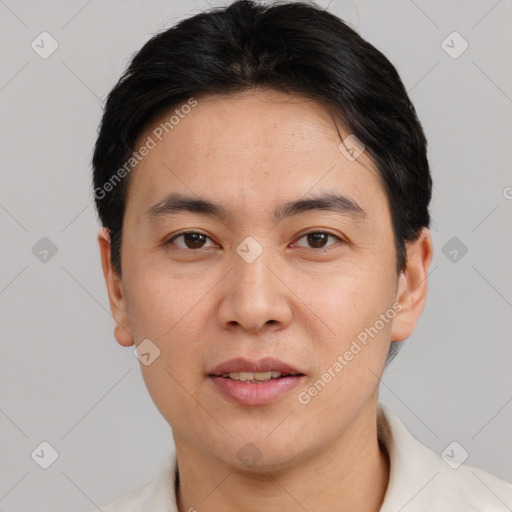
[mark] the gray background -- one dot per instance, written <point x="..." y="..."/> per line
<point x="63" y="377"/>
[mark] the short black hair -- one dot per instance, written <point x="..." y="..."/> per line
<point x="293" y="47"/>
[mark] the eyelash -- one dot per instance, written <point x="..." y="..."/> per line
<point x="174" y="237"/>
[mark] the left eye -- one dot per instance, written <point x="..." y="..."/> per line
<point x="318" y="239"/>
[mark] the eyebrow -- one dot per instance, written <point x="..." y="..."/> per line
<point x="177" y="203"/>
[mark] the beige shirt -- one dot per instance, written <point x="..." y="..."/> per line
<point x="420" y="480"/>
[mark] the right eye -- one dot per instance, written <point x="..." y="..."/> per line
<point x="189" y="240"/>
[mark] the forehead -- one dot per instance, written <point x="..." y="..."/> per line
<point x="259" y="144"/>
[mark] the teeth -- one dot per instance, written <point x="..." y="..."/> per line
<point x="252" y="376"/>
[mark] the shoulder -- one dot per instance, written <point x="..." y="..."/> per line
<point x="421" y="479"/>
<point x="475" y="488"/>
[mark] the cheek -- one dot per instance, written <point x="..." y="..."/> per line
<point x="159" y="303"/>
<point x="351" y="358"/>
<point x="351" y="362"/>
<point x="349" y="297"/>
<point x="172" y="312"/>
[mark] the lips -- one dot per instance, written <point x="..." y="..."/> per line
<point x="241" y="365"/>
<point x="255" y="383"/>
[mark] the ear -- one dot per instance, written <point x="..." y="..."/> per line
<point x="122" y="330"/>
<point x="412" y="286"/>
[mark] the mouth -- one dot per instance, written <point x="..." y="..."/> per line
<point x="255" y="382"/>
<point x="258" y="377"/>
<point x="262" y="370"/>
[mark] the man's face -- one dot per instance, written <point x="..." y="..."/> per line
<point x="299" y="287"/>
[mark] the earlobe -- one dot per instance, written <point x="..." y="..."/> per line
<point x="412" y="286"/>
<point x="122" y="330"/>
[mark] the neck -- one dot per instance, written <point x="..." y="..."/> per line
<point x="348" y="474"/>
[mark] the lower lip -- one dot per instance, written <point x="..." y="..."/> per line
<point x="261" y="393"/>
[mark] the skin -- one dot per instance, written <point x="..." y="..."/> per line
<point x="298" y="301"/>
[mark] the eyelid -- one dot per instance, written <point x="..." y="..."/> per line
<point x="187" y="231"/>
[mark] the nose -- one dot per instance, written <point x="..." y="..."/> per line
<point x="254" y="297"/>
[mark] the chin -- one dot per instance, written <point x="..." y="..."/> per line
<point x="262" y="464"/>
<point x="260" y="455"/>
